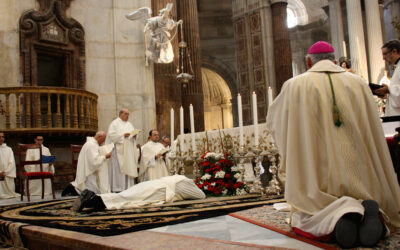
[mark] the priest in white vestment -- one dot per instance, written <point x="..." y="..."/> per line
<point x="164" y="190"/>
<point x="332" y="146"/>
<point x="92" y="168"/>
<point x="7" y="171"/>
<point x="35" y="186"/>
<point x="153" y="161"/>
<point x="124" y="160"/>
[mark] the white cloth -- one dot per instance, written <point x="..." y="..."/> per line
<point x="35" y="186"/>
<point x="166" y="189"/>
<point x="393" y="102"/>
<point x="324" y="162"/>
<point x="91" y="171"/>
<point x="150" y="167"/>
<point x="123" y="164"/>
<point x="7" y="165"/>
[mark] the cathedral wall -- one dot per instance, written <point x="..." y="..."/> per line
<point x="115" y="65"/>
<point x="10" y="12"/>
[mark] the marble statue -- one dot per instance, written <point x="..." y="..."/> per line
<point x="157" y="33"/>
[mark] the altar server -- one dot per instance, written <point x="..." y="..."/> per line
<point x="124" y="159"/>
<point x="35" y="186"/>
<point x="327" y="129"/>
<point x="7" y="170"/>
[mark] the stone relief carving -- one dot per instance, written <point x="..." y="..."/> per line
<point x="157" y="33"/>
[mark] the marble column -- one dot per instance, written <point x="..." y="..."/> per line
<point x="375" y="41"/>
<point x="282" y="50"/>
<point x="167" y="88"/>
<point x="193" y="92"/>
<point x="336" y="25"/>
<point x="356" y="38"/>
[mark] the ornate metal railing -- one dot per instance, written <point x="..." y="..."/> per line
<point x="49" y="109"/>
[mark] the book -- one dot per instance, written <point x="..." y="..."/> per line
<point x="48" y="159"/>
<point x="105" y="149"/>
<point x="135" y="132"/>
<point x="163" y="151"/>
<point x="374" y="87"/>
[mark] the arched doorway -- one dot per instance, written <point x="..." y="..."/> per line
<point x="217" y="101"/>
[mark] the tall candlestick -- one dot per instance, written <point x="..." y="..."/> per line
<point x="239" y="101"/>
<point x="181" y="121"/>
<point x="172" y="125"/>
<point x="344" y="49"/>
<point x="255" y="118"/>
<point x="270" y="98"/>
<point x="192" y="127"/>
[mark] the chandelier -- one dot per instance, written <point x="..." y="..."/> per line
<point x="184" y="77"/>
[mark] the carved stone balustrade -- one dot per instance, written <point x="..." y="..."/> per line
<point x="47" y="110"/>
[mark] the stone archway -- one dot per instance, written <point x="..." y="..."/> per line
<point x="217" y="101"/>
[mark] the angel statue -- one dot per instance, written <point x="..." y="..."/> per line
<point x="157" y="33"/>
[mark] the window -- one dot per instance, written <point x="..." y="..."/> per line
<point x="291" y="18"/>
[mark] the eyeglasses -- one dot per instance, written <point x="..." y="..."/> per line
<point x="385" y="53"/>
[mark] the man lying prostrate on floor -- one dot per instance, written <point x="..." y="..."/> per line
<point x="92" y="168"/>
<point x="163" y="190"/>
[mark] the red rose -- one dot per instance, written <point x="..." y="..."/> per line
<point x="205" y="164"/>
<point x="227" y="176"/>
<point x="207" y="170"/>
<point x="239" y="184"/>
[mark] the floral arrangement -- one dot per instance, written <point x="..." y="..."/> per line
<point x="219" y="176"/>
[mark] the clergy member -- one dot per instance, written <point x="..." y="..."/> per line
<point x="124" y="159"/>
<point x="166" y="189"/>
<point x="92" y="168"/>
<point x="152" y="164"/>
<point x="338" y="167"/>
<point x="35" y="186"/>
<point x="7" y="171"/>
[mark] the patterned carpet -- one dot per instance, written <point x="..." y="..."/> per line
<point x="268" y="217"/>
<point x="58" y="214"/>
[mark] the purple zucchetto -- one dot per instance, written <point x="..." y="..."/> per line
<point x="321" y="47"/>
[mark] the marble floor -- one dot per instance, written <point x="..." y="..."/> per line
<point x="225" y="228"/>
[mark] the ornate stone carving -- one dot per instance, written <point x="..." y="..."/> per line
<point x="49" y="31"/>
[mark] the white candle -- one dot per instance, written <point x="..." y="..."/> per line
<point x="255" y="119"/>
<point x="344" y="49"/>
<point x="192" y="127"/>
<point x="172" y="125"/>
<point x="239" y="101"/>
<point x="181" y="121"/>
<point x="270" y="98"/>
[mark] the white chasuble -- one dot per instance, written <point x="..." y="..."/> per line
<point x="166" y="189"/>
<point x="123" y="164"/>
<point x="7" y="165"/>
<point x="324" y="162"/>
<point x="92" y="169"/>
<point x="35" y="186"/>
<point x="150" y="167"/>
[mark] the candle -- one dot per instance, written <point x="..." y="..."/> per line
<point x="270" y="98"/>
<point x="344" y="49"/>
<point x="239" y="101"/>
<point x="255" y="119"/>
<point x="192" y="127"/>
<point x="172" y="125"/>
<point x="181" y="121"/>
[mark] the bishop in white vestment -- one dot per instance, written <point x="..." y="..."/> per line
<point x="124" y="159"/>
<point x="92" y="168"/>
<point x="35" y="186"/>
<point x="332" y="146"/>
<point x="152" y="163"/>
<point x="7" y="171"/>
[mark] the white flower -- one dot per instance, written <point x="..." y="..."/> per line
<point x="206" y="177"/>
<point x="237" y="176"/>
<point x="225" y="191"/>
<point x="235" y="169"/>
<point x="220" y="174"/>
<point x="205" y="187"/>
<point x="219" y="156"/>
<point x="240" y="191"/>
<point x="210" y="155"/>
<point x="213" y="184"/>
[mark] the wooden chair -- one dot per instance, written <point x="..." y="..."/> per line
<point x="75" y="150"/>
<point x="23" y="175"/>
